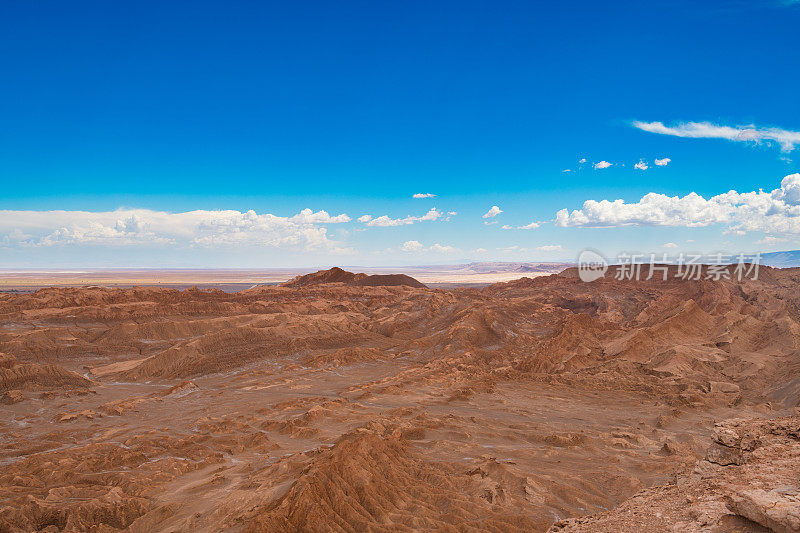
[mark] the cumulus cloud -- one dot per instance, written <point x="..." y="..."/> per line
<point x="790" y="189"/>
<point x="386" y="221"/>
<point x="662" y="162"/>
<point x="412" y="246"/>
<point x="307" y="216"/>
<point x="442" y="249"/>
<point x="776" y="212"/>
<point x="423" y="195"/>
<point x="365" y="218"/>
<point x="143" y="227"/>
<point x="15" y="237"/>
<point x="416" y="247"/>
<point x="602" y="164"/>
<point x="641" y="165"/>
<point x="493" y="212"/>
<point x="583" y="160"/>
<point x="532" y="225"/>
<point x="706" y="130"/>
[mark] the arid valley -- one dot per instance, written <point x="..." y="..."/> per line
<point x="352" y="402"/>
<point x="399" y="267"/>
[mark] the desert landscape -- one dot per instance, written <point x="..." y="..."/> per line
<point x="343" y="401"/>
<point x="395" y="267"/>
<point x="476" y="274"/>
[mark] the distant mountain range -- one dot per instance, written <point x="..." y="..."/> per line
<point x="522" y="267"/>
<point x="781" y="259"/>
<point x="786" y="259"/>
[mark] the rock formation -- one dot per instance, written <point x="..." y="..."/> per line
<point x="337" y="275"/>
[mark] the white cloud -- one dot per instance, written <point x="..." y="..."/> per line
<point x="776" y="212"/>
<point x="583" y="160"/>
<point x="662" y="162"/>
<point x="602" y="164"/>
<point x="670" y="245"/>
<point x="15" y="237"/>
<point x="771" y="239"/>
<point x="532" y="225"/>
<point x="652" y="210"/>
<point x="144" y="227"/>
<point x="416" y="247"/>
<point x="423" y="195"/>
<point x="550" y="248"/>
<point x="412" y="246"/>
<point x="641" y="165"/>
<point x="386" y="221"/>
<point x="307" y="216"/>
<point x="442" y="249"/>
<point x="566" y="170"/>
<point x="706" y="130"/>
<point x="790" y="189"/>
<point x="493" y="212"/>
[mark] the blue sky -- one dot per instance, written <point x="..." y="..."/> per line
<point x="144" y="133"/>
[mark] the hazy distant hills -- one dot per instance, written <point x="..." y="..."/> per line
<point x="786" y="259"/>
<point x="781" y="259"/>
<point x="499" y="266"/>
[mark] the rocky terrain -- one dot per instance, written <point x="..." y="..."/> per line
<point x="346" y="402"/>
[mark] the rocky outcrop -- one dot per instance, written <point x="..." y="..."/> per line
<point x="337" y="275"/>
<point x="373" y="482"/>
<point x="750" y="476"/>
<point x="11" y="397"/>
<point x="33" y="377"/>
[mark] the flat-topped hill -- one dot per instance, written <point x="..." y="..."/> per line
<point x="337" y="275"/>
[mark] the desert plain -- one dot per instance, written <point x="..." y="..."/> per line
<point x="237" y="279"/>
<point x="382" y="402"/>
